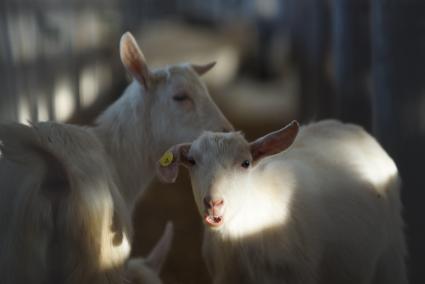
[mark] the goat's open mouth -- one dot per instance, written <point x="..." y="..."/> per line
<point x="213" y="221"/>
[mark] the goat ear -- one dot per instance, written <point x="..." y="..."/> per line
<point x="274" y="142"/>
<point x="134" y="60"/>
<point x="168" y="165"/>
<point x="159" y="253"/>
<point x="202" y="69"/>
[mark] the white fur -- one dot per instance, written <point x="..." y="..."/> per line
<point x="75" y="229"/>
<point x="59" y="232"/>
<point x="325" y="211"/>
<point x="142" y="124"/>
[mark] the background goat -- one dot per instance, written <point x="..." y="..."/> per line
<point x="160" y="108"/>
<point x="63" y="190"/>
<point x="62" y="217"/>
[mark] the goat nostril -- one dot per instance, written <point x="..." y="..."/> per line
<point x="207" y="203"/>
<point x="226" y="130"/>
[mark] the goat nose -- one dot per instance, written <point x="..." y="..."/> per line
<point x="213" y="203"/>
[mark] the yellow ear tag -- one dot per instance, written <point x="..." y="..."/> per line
<point x="166" y="159"/>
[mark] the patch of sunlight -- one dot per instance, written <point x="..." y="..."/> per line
<point x="88" y="87"/>
<point x="113" y="243"/>
<point x="23" y="34"/>
<point x="24" y="109"/>
<point x="226" y="68"/>
<point x="261" y="211"/>
<point x="64" y="104"/>
<point x="379" y="170"/>
<point x="366" y="156"/>
<point x="93" y="81"/>
<point x="113" y="256"/>
<point x="42" y="110"/>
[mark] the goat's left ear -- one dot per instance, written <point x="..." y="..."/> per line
<point x="159" y="253"/>
<point x="274" y="142"/>
<point x="134" y="60"/>
<point x="167" y="167"/>
<point x="202" y="69"/>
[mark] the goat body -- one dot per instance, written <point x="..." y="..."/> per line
<point x="325" y="211"/>
<point x="62" y="217"/>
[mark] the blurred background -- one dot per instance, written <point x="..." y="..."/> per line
<point x="361" y="61"/>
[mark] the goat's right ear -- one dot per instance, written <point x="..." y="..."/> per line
<point x="134" y="60"/>
<point x="168" y="166"/>
<point x="274" y="142"/>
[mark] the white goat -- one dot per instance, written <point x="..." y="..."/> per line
<point x="67" y="192"/>
<point x="58" y="203"/>
<point x="62" y="217"/>
<point x="159" y="109"/>
<point x="325" y="211"/>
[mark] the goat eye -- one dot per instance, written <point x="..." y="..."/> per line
<point x="181" y="97"/>
<point x="245" y="164"/>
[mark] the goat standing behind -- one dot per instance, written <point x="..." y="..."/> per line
<point x="68" y="192"/>
<point x="62" y="218"/>
<point x="159" y="108"/>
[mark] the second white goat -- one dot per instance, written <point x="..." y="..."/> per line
<point x="325" y="211"/>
